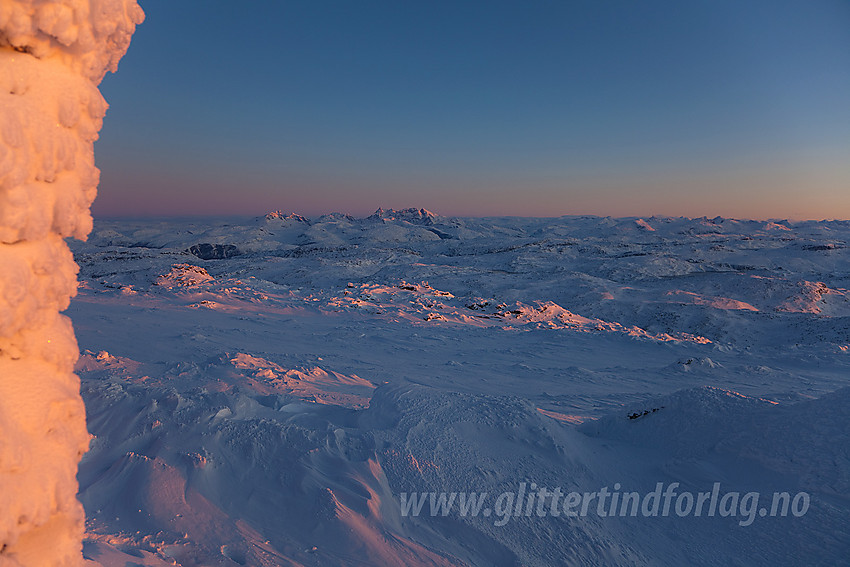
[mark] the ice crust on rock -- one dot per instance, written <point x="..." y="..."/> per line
<point x="53" y="54"/>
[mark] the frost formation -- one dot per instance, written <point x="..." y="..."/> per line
<point x="53" y="54"/>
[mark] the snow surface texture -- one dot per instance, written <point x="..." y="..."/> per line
<point x="53" y="54"/>
<point x="262" y="391"/>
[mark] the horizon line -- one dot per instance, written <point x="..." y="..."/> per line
<point x="210" y="216"/>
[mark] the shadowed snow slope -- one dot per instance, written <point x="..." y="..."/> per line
<point x="290" y="404"/>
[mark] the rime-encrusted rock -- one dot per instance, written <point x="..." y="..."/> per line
<point x="184" y="275"/>
<point x="53" y="54"/>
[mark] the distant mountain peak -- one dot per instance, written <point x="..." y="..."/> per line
<point x="336" y="217"/>
<point x="280" y="215"/>
<point x="643" y="225"/>
<point x="411" y="215"/>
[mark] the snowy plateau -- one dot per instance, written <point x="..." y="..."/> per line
<point x="270" y="391"/>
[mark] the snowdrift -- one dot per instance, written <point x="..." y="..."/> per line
<point x="288" y="405"/>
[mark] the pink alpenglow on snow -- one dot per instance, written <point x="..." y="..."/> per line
<point x="53" y="54"/>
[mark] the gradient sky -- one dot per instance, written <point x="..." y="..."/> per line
<point x="540" y="108"/>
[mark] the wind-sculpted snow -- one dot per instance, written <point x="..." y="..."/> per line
<point x="278" y="407"/>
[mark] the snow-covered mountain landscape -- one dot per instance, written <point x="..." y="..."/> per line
<point x="276" y="390"/>
<point x="406" y="388"/>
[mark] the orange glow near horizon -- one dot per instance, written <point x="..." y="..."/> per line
<point x="788" y="193"/>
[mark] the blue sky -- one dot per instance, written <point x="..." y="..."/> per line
<point x="482" y="108"/>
